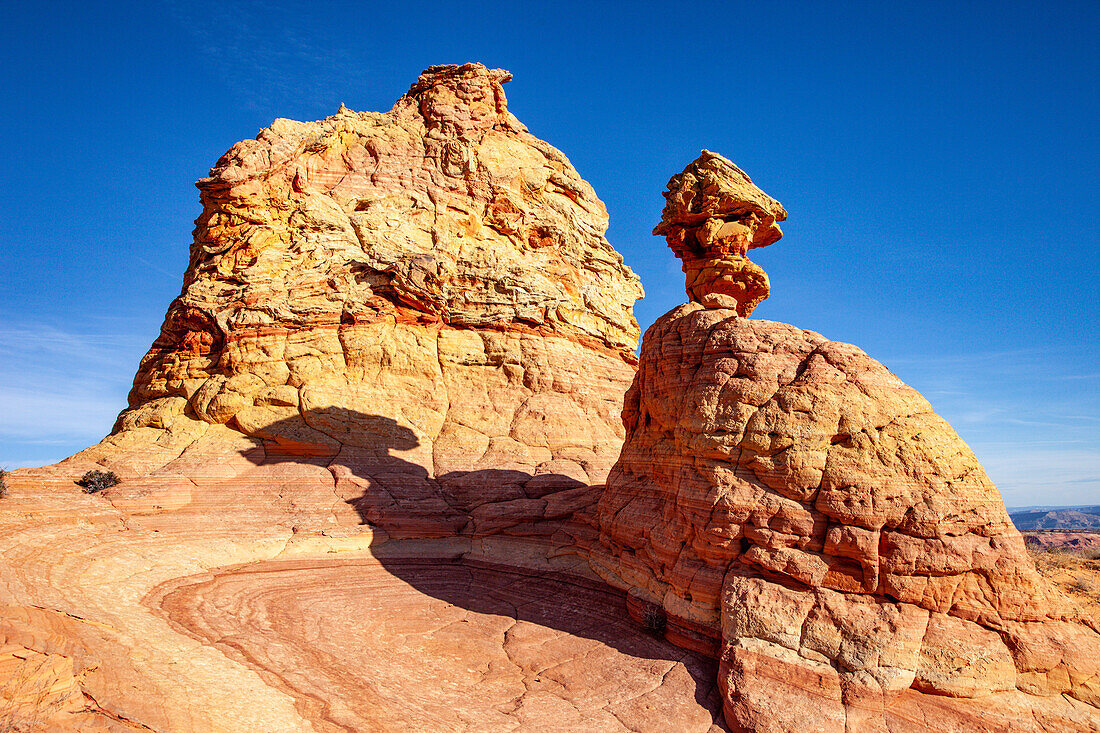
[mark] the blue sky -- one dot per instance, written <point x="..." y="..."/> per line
<point x="939" y="162"/>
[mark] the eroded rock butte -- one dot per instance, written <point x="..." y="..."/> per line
<point x="433" y="280"/>
<point x="363" y="478"/>
<point x="803" y="515"/>
<point x="357" y="460"/>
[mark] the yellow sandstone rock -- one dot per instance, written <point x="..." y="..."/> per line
<point x="359" y="461"/>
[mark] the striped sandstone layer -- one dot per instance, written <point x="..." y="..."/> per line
<point x="802" y="514"/>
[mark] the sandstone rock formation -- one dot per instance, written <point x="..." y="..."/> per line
<point x="202" y="620"/>
<point x="352" y="459"/>
<point x="798" y="510"/>
<point x="713" y="216"/>
<point x="433" y="280"/>
<point x="362" y="461"/>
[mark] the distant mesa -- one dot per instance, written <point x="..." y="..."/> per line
<point x="713" y="216"/>
<point x="1070" y="519"/>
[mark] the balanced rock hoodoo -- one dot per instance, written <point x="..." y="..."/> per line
<point x="713" y="216"/>
<point x="798" y="511"/>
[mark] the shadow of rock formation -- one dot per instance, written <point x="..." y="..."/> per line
<point x="393" y="493"/>
<point x="383" y="476"/>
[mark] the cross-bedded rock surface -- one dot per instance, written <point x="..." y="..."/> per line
<point x="433" y="280"/>
<point x="208" y="619"/>
<point x="795" y="507"/>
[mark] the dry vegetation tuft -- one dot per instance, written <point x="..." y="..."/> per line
<point x="30" y="696"/>
<point x="96" y="481"/>
<point x="1075" y="573"/>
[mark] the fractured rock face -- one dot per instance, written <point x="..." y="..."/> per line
<point x="713" y="216"/>
<point x="433" y="281"/>
<point x="790" y="498"/>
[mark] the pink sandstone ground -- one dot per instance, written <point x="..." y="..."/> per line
<point x="363" y="478"/>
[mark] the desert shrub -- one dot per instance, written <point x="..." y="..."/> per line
<point x="1043" y="557"/>
<point x="1084" y="585"/>
<point x="654" y="619"/>
<point x="28" y="697"/>
<point x="94" y="481"/>
<point x="3" y="483"/>
<point x="1057" y="557"/>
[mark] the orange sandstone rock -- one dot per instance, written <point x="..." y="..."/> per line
<point x="360" y="459"/>
<point x="713" y="216"/>
<point x="432" y="281"/>
<point x="363" y="470"/>
<point x="791" y="498"/>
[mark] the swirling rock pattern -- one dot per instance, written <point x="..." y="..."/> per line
<point x="788" y="499"/>
<point x="429" y="644"/>
<point x="236" y="616"/>
<point x="362" y="478"/>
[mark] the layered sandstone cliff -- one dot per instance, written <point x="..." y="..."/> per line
<point x="795" y="509"/>
<point x="432" y="281"/>
<point x="790" y="499"/>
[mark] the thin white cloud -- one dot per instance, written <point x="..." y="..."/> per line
<point x="1026" y="415"/>
<point x="999" y="359"/>
<point x="51" y="416"/>
<point x="61" y="390"/>
<point x="1028" y="475"/>
<point x="55" y="347"/>
<point x="251" y="45"/>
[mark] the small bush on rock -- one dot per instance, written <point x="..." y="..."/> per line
<point x="654" y="619"/>
<point x="94" y="481"/>
<point x="1084" y="585"/>
<point x="3" y="483"/>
